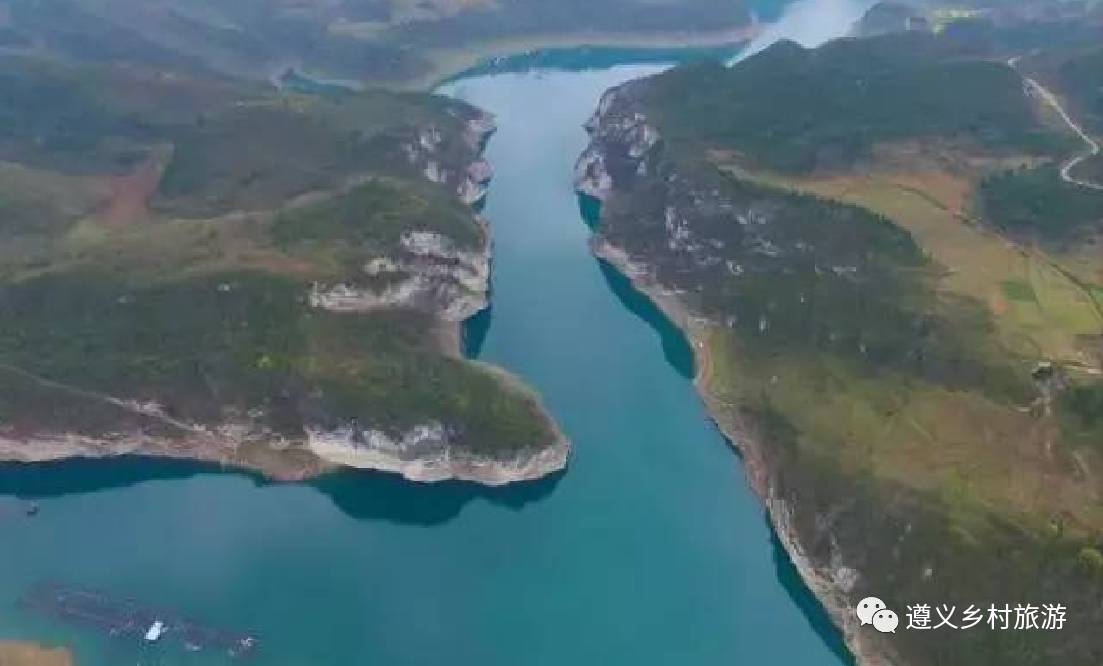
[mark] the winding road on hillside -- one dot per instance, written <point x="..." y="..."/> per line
<point x="1093" y="146"/>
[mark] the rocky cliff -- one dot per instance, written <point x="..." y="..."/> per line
<point x="430" y="271"/>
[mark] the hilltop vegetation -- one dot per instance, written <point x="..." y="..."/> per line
<point x="866" y="92"/>
<point x="1036" y="201"/>
<point x="209" y="348"/>
<point x="1080" y="76"/>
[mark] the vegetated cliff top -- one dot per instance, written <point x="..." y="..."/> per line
<point x="797" y="110"/>
<point x="890" y="17"/>
<point x="169" y="241"/>
<point x="369" y="40"/>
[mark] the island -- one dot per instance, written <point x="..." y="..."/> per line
<point x="894" y="290"/>
<point x="199" y="267"/>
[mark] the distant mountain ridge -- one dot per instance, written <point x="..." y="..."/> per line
<point x="375" y="41"/>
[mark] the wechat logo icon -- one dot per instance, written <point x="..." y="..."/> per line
<point x="872" y="610"/>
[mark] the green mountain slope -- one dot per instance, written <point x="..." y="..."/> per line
<point x="197" y="267"/>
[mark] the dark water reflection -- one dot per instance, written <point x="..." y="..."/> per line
<point x="790" y="579"/>
<point x="359" y="494"/>
<point x="675" y="346"/>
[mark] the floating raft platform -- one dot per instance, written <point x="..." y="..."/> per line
<point x="125" y="618"/>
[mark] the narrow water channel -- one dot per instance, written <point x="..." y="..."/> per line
<point x="650" y="550"/>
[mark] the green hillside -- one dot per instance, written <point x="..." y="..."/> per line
<point x="161" y="236"/>
<point x="794" y="109"/>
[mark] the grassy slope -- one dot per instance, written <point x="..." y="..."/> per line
<point x="195" y="295"/>
<point x="985" y="497"/>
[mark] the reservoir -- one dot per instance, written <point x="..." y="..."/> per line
<point x="650" y="550"/>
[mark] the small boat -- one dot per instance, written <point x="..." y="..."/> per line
<point x="155" y="630"/>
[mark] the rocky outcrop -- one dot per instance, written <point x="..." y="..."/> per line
<point x="621" y="139"/>
<point x="459" y="167"/>
<point x="426" y="452"/>
<point x="428" y="271"/>
<point x="431" y="273"/>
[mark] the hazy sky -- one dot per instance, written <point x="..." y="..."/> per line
<point x="810" y="23"/>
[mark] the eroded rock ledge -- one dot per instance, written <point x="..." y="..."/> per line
<point x="429" y="271"/>
<point x="425" y="453"/>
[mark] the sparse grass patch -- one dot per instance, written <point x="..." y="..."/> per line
<point x="961" y="445"/>
<point x="1018" y="290"/>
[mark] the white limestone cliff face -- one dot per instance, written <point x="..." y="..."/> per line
<point x="233" y="441"/>
<point x="430" y="274"/>
<point x="620" y="137"/>
<point x="443" y="163"/>
<point x="426" y="453"/>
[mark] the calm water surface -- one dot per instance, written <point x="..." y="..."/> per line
<point x="650" y="550"/>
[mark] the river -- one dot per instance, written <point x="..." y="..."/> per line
<point x="649" y="550"/>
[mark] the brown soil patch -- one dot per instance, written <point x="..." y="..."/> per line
<point x="130" y="193"/>
<point x="14" y="653"/>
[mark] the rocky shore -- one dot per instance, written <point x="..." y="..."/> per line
<point x="830" y="585"/>
<point x="624" y="152"/>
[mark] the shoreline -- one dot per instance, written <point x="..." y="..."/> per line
<point x="740" y="436"/>
<point x="452" y="63"/>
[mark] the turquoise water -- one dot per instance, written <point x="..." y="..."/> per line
<point x="650" y="550"/>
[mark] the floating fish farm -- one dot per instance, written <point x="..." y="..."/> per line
<point x="124" y="618"/>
